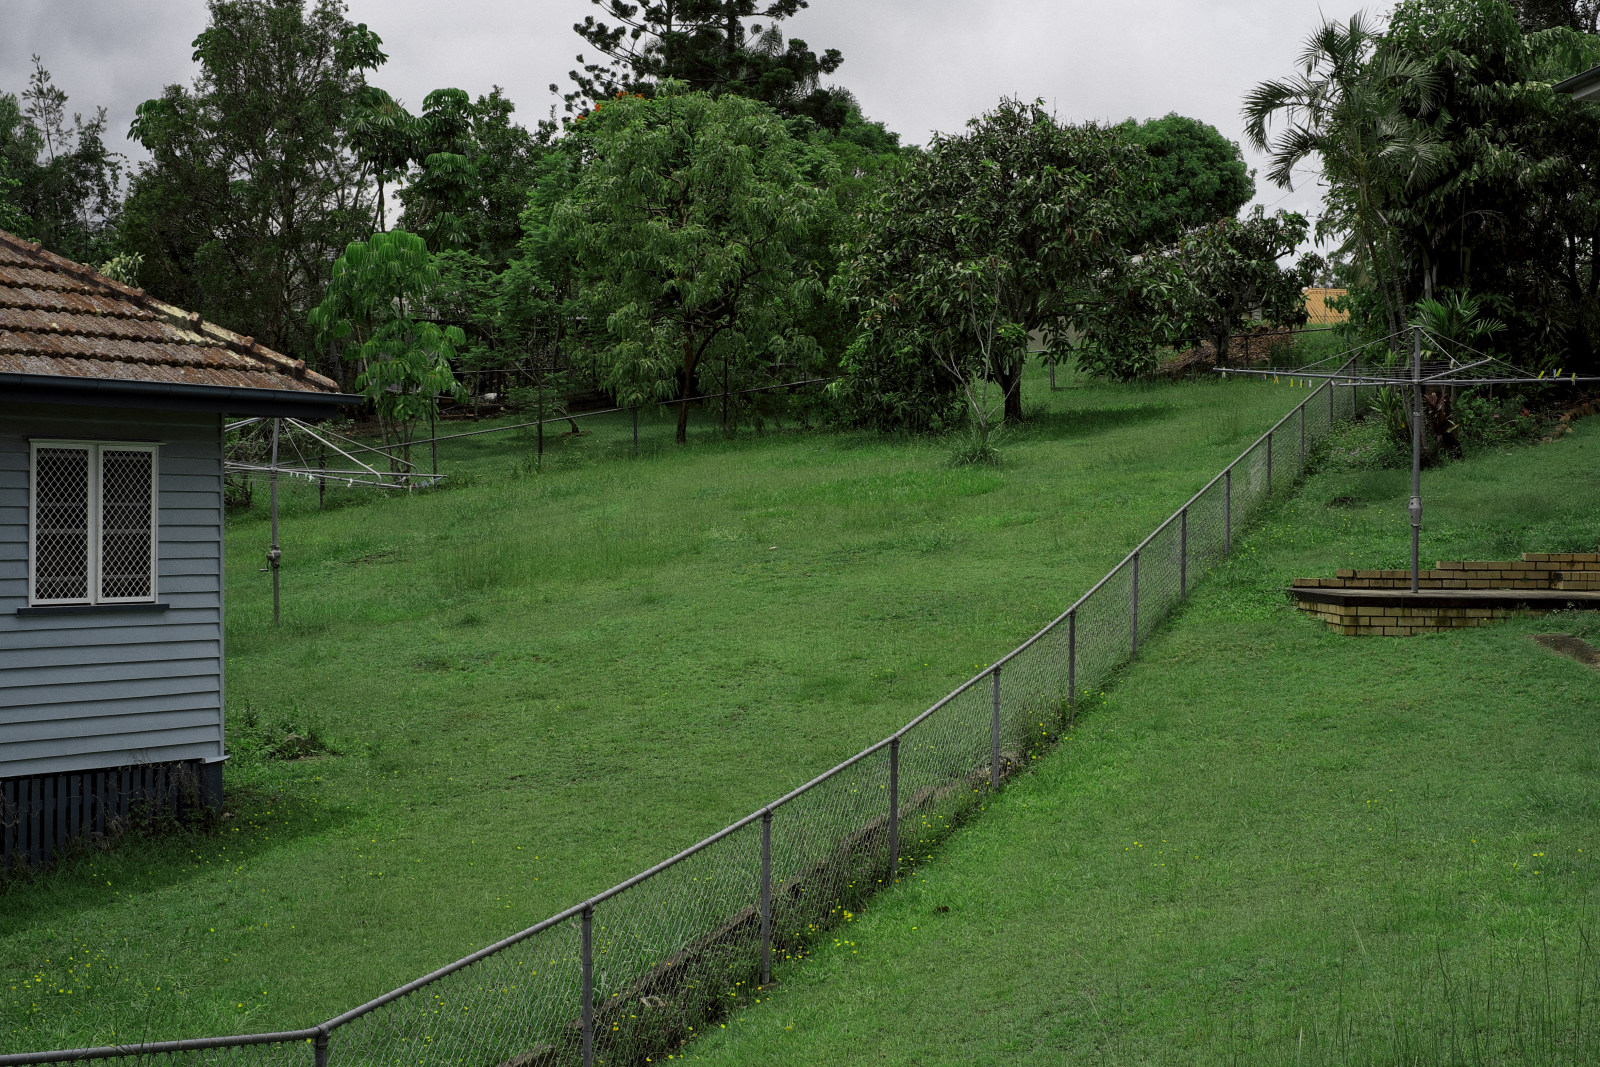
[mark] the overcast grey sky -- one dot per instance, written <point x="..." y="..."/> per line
<point x="918" y="65"/>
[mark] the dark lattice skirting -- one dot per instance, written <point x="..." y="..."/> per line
<point x="41" y="815"/>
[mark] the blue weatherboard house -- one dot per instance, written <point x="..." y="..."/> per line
<point x="111" y="554"/>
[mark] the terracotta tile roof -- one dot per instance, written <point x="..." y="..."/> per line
<point x="60" y="318"/>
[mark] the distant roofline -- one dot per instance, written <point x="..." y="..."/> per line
<point x="172" y="396"/>
<point x="1578" y="83"/>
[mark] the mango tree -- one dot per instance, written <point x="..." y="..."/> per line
<point x="689" y="226"/>
<point x="1018" y="226"/>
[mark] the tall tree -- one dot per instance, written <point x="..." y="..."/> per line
<point x="65" y="184"/>
<point x="252" y="188"/>
<point x="1513" y="214"/>
<point x="1049" y="205"/>
<point x="1347" y="107"/>
<point x="471" y="168"/>
<point x="372" y="315"/>
<point x="1197" y="175"/>
<point x="689" y="224"/>
<point x="1233" y="269"/>
<point x="712" y="46"/>
<point x="1580" y="15"/>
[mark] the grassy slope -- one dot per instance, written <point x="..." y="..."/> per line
<point x="541" y="683"/>
<point x="1272" y="844"/>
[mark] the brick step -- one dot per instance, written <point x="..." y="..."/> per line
<point x="1437" y="580"/>
<point x="1592" y="559"/>
<point x="1575" y="571"/>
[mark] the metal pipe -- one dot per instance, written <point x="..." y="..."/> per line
<point x="1227" y="514"/>
<point x="1183" y="557"/>
<point x="1072" y="667"/>
<point x="994" y="737"/>
<point x="894" y="809"/>
<point x="588" y="987"/>
<point x="1415" y="507"/>
<point x="1269" y="464"/>
<point x="319" y="1049"/>
<point x="1135" y="613"/>
<point x="766" y="898"/>
<point x="1302" y="438"/>
<point x="275" y="553"/>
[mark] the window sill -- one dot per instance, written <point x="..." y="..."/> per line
<point x="90" y="609"/>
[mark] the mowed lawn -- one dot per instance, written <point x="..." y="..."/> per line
<point x="537" y="683"/>
<point x="1270" y="844"/>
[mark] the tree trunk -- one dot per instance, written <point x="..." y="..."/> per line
<point x="688" y="387"/>
<point x="1011" y="382"/>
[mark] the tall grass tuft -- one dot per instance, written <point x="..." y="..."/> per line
<point x="1533" y="1005"/>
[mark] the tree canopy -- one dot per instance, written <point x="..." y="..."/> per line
<point x="1197" y="176"/>
<point x="1234" y="275"/>
<point x="252" y="188"/>
<point x="1452" y="166"/>
<point x="1036" y="213"/>
<point x="710" y="46"/>
<point x="59" y="183"/>
<point x="689" y="225"/>
<point x="373" y="316"/>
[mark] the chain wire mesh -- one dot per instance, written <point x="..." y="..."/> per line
<point x="640" y="970"/>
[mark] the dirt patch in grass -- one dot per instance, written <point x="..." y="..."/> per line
<point x="1571" y="647"/>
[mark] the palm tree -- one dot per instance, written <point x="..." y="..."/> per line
<point x="1349" y="104"/>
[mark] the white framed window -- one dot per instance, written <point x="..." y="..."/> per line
<point x="92" y="523"/>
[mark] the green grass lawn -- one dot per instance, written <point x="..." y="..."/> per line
<point x="1270" y="844"/>
<point x="537" y="683"/>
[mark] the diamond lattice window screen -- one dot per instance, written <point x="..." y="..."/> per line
<point x="126" y="521"/>
<point x="61" y="524"/>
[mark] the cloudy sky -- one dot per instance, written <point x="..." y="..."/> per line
<point x="918" y="65"/>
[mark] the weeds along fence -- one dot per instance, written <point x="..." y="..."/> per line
<point x="641" y="968"/>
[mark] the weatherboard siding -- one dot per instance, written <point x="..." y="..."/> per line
<point x="115" y="688"/>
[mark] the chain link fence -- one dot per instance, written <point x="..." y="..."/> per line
<point x="642" y="968"/>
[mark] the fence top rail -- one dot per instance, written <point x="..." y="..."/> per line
<point x="158" y="1048"/>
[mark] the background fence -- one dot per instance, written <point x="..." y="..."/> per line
<point x="641" y="968"/>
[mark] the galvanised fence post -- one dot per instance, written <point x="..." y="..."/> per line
<point x="1072" y="667"/>
<point x="1135" y="612"/>
<point x="894" y="807"/>
<point x="1302" y="439"/>
<point x="994" y="737"/>
<point x="1183" y="554"/>
<point x="1227" y="513"/>
<point x="588" y="986"/>
<point x="1331" y="414"/>
<point x="766" y="897"/>
<point x="1269" y="465"/>
<point x="319" y="1048"/>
